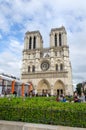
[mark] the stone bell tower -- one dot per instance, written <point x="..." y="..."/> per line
<point x="60" y="51"/>
<point x="58" y="37"/>
<point x="33" y="40"/>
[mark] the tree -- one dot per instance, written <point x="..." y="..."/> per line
<point x="79" y="88"/>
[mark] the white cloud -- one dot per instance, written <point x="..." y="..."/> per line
<point x="15" y="47"/>
<point x="10" y="59"/>
<point x="0" y="36"/>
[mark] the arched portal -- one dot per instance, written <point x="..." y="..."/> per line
<point x="43" y="87"/>
<point x="59" y="88"/>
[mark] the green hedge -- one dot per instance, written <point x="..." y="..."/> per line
<point x="43" y="110"/>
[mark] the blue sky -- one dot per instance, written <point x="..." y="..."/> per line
<point x="19" y="16"/>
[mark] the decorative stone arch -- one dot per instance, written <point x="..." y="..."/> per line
<point x="59" y="88"/>
<point x="43" y="87"/>
<point x="60" y="61"/>
<point x="60" y="64"/>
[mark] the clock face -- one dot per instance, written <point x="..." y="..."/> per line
<point x="45" y="66"/>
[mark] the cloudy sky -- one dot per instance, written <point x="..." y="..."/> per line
<point x="19" y="16"/>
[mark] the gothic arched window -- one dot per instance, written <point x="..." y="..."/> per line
<point x="61" y="66"/>
<point x="28" y="68"/>
<point x="34" y="42"/>
<point x="55" y="40"/>
<point x="30" y="42"/>
<point x="33" y="68"/>
<point x="56" y="67"/>
<point x="60" y="39"/>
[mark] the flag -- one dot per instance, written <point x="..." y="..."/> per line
<point x="13" y="86"/>
<point x="22" y="89"/>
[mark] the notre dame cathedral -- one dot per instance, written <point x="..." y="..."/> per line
<point x="48" y="69"/>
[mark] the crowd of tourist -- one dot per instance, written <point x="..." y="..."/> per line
<point x="75" y="98"/>
<point x="61" y="98"/>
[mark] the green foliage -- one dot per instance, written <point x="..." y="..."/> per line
<point x="78" y="88"/>
<point x="43" y="110"/>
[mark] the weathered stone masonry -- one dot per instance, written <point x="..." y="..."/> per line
<point x="49" y="69"/>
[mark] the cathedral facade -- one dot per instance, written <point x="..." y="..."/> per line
<point x="48" y="69"/>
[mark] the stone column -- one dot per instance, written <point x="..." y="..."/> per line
<point x="26" y="41"/>
<point x="51" y="40"/>
<point x="52" y="90"/>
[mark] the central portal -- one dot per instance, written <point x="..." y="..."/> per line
<point x="43" y="88"/>
<point x="59" y="88"/>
